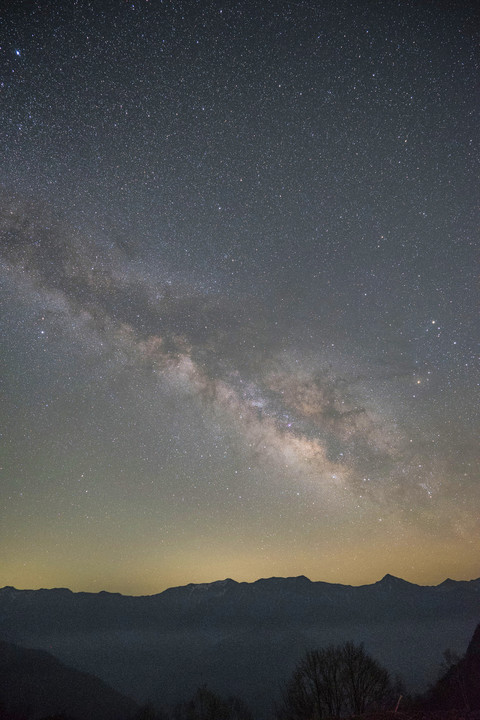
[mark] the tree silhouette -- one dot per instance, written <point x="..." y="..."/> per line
<point x="207" y="705"/>
<point x="335" y="681"/>
<point x="148" y="712"/>
<point x="366" y="682"/>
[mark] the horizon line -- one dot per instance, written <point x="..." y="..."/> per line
<point x="385" y="578"/>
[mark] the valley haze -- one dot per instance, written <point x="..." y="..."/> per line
<point x="241" y="638"/>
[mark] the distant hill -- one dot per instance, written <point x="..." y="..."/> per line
<point x="34" y="684"/>
<point x="241" y="638"/>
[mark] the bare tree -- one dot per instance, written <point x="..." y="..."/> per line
<point x="366" y="683"/>
<point x="207" y="705"/>
<point x="334" y="681"/>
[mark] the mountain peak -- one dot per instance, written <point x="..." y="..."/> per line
<point x="448" y="583"/>
<point x="392" y="581"/>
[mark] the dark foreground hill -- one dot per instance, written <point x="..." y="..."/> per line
<point x="241" y="638"/>
<point x="459" y="687"/>
<point x="34" y="684"/>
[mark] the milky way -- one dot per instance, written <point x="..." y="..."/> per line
<point x="238" y="253"/>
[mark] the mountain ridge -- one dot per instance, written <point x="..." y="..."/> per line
<point x="388" y="578"/>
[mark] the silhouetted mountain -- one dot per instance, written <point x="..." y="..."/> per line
<point x="241" y="638"/>
<point x="473" y="650"/>
<point x="34" y="684"/>
<point x="459" y="688"/>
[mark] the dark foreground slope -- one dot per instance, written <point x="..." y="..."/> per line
<point x="241" y="638"/>
<point x="35" y="684"/>
<point x="459" y="687"/>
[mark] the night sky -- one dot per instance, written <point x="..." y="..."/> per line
<point x="239" y="300"/>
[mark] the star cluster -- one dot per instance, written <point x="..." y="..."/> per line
<point x="238" y="255"/>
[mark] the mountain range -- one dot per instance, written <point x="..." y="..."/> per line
<point x="240" y="638"/>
